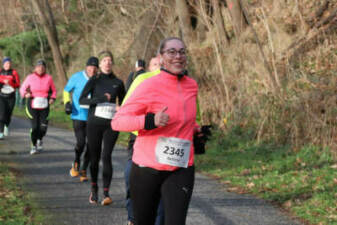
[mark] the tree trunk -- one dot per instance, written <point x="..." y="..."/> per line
<point x="147" y="33"/>
<point x="50" y="30"/>
<point x="219" y="23"/>
<point x="184" y="20"/>
<point x="238" y="19"/>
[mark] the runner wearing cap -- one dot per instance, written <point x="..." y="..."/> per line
<point x="139" y="69"/>
<point x="79" y="115"/>
<point x="104" y="90"/>
<point x="9" y="81"/>
<point x="39" y="90"/>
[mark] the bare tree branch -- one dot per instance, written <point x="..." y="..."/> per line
<point x="50" y="30"/>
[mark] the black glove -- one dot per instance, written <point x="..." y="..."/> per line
<point x="199" y="142"/>
<point x="68" y="108"/>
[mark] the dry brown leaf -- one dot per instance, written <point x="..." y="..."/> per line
<point x="227" y="182"/>
<point x="287" y="204"/>
<point x="250" y="185"/>
<point x="332" y="217"/>
<point x="334" y="166"/>
<point x="335" y="180"/>
<point x="245" y="172"/>
<point x="232" y="189"/>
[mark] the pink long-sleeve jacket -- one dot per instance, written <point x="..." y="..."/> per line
<point x="38" y="86"/>
<point x="163" y="90"/>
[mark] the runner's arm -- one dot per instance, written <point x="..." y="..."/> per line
<point x="25" y="85"/>
<point x="132" y="115"/>
<point x="121" y="94"/>
<point x="88" y="88"/>
<point x="16" y="80"/>
<point x="52" y="88"/>
<point x="67" y="89"/>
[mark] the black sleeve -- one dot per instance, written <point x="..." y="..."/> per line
<point x="149" y="121"/>
<point x="129" y="81"/>
<point x="88" y="88"/>
<point x="121" y="93"/>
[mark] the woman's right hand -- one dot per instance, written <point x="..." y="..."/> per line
<point x="108" y="96"/>
<point x="28" y="95"/>
<point x="161" y="118"/>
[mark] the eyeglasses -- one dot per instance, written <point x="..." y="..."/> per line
<point x="173" y="52"/>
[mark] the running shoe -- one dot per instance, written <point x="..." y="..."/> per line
<point x="39" y="145"/>
<point x="33" y="150"/>
<point x="83" y="176"/>
<point x="74" y="170"/>
<point x="1" y="136"/>
<point x="130" y="223"/>
<point x="93" y="198"/>
<point x="106" y="201"/>
<point x="6" y="131"/>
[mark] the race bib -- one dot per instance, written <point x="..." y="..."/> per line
<point x="7" y="89"/>
<point x="39" y="103"/>
<point x="105" y="110"/>
<point x="173" y="151"/>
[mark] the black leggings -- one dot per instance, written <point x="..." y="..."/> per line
<point x="96" y="135"/>
<point x="175" y="189"/>
<point x="80" y="130"/>
<point x="39" y="121"/>
<point x="6" y="109"/>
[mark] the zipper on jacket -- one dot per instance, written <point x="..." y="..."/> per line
<point x="184" y="109"/>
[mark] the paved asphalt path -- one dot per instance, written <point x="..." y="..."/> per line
<point x="65" y="199"/>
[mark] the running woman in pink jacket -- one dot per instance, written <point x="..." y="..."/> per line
<point x="39" y="91"/>
<point x="163" y="111"/>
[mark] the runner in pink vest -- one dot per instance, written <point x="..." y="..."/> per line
<point x="39" y="91"/>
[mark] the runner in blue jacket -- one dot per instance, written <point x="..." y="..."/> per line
<point x="79" y="115"/>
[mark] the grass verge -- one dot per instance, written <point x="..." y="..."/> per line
<point x="302" y="181"/>
<point x="16" y="207"/>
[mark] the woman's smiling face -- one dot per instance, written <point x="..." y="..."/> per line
<point x="173" y="56"/>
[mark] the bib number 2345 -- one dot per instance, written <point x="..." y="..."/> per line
<point x="173" y="151"/>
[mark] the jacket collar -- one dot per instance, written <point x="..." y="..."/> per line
<point x="179" y="76"/>
<point x="39" y="74"/>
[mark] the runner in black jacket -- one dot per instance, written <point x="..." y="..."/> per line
<point x="139" y="69"/>
<point x="101" y="93"/>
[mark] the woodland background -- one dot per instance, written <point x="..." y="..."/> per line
<point x="268" y="67"/>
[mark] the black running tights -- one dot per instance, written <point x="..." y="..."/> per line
<point x="175" y="189"/>
<point x="6" y="109"/>
<point x="80" y="130"/>
<point x="98" y="134"/>
<point x="39" y="121"/>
